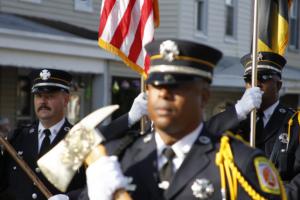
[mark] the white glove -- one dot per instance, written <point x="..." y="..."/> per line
<point x="59" y="197"/>
<point x="138" y="109"/>
<point x="251" y="99"/>
<point x="104" y="177"/>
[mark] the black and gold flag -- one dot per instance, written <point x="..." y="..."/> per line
<point x="273" y="27"/>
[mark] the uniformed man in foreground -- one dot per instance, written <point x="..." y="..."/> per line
<point x="181" y="159"/>
<point x="51" y="90"/>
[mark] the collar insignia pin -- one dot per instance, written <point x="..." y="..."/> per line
<point x="147" y="138"/>
<point x="66" y="128"/>
<point x="282" y="110"/>
<point x="31" y="130"/>
<point x="204" y="139"/>
<point x="202" y="188"/>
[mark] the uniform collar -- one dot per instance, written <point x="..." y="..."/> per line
<point x="53" y="129"/>
<point x="181" y="147"/>
<point x="269" y="111"/>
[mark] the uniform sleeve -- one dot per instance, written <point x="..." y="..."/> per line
<point x="264" y="178"/>
<point x="116" y="129"/>
<point x="221" y="122"/>
<point x="83" y="195"/>
<point x="293" y="186"/>
<point x="3" y="176"/>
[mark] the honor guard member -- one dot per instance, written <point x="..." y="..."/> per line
<point x="180" y="159"/>
<point x="51" y="91"/>
<point x="277" y="126"/>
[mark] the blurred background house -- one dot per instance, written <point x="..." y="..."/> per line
<point x="63" y="35"/>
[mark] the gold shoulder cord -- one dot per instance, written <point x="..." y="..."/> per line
<point x="290" y="123"/>
<point x="225" y="161"/>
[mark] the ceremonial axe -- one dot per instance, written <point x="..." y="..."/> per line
<point x="81" y="144"/>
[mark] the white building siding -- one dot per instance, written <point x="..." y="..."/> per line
<point x="55" y="10"/>
<point x="216" y="26"/>
<point x="168" y="19"/>
<point x="216" y="31"/>
<point x="244" y="27"/>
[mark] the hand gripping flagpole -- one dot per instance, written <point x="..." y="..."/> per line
<point x="254" y="71"/>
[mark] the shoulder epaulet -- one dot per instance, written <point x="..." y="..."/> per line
<point x="21" y="128"/>
<point x="236" y="136"/>
<point x="294" y="119"/>
<point x="231" y="175"/>
<point x="125" y="143"/>
<point x="229" y="172"/>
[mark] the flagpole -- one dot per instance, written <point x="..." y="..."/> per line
<point x="254" y="70"/>
<point x="143" y="120"/>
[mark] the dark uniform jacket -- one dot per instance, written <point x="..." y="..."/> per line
<point x="116" y="129"/>
<point x="273" y="141"/>
<point x="140" y="163"/>
<point x="16" y="183"/>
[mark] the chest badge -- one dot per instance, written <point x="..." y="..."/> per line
<point x="202" y="189"/>
<point x="283" y="138"/>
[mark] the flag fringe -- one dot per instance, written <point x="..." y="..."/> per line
<point x="110" y="48"/>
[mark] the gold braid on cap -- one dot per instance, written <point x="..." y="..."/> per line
<point x="180" y="70"/>
<point x="196" y="60"/>
<point x="264" y="67"/>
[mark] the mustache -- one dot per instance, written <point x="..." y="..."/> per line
<point x="43" y="107"/>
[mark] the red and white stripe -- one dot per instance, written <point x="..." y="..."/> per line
<point x="125" y="27"/>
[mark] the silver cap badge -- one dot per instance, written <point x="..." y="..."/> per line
<point x="45" y="74"/>
<point x="169" y="50"/>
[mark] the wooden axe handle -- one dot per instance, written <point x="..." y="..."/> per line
<point x="24" y="166"/>
<point x="120" y="194"/>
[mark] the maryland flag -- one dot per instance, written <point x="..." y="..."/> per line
<point x="126" y="26"/>
<point x="273" y="25"/>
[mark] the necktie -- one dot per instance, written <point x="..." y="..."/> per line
<point x="260" y="122"/>
<point x="166" y="171"/>
<point x="46" y="142"/>
<point x="260" y="125"/>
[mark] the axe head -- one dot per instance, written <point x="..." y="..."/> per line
<point x="61" y="163"/>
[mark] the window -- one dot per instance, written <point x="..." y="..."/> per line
<point x="124" y="90"/>
<point x="83" y="5"/>
<point x="201" y="16"/>
<point x="294" y="24"/>
<point x="24" y="106"/>
<point x="32" y="1"/>
<point x="230" y="17"/>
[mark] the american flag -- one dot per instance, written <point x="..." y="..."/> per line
<point x="126" y="26"/>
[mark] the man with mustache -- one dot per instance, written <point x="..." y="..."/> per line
<point x="51" y="92"/>
<point x="180" y="159"/>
